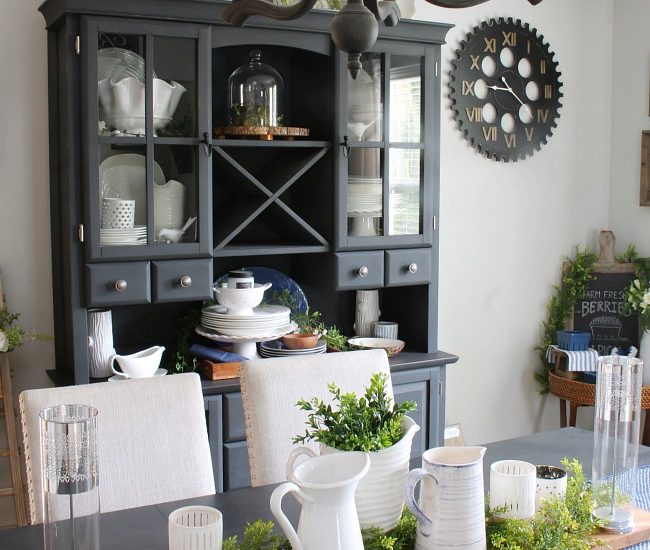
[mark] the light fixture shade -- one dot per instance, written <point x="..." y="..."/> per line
<point x="354" y="30"/>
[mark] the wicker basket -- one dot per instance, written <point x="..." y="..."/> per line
<point x="582" y="393"/>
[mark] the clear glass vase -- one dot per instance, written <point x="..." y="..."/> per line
<point x="616" y="441"/>
<point x="70" y="477"/>
<point x="255" y="94"/>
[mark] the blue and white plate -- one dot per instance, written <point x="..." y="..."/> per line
<point x="284" y="290"/>
<point x="275" y="348"/>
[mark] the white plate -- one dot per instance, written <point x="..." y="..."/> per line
<point x="212" y="335"/>
<point x="219" y="312"/>
<point x="116" y="377"/>
<point x="124" y="177"/>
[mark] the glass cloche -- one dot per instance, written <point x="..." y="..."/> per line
<point x="255" y="94"/>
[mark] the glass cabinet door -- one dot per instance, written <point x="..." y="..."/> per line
<point x="385" y="154"/>
<point x="148" y="172"/>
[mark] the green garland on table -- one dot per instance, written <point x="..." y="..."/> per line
<point x="577" y="273"/>
<point x="561" y="524"/>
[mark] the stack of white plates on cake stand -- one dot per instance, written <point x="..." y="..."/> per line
<point x="364" y="205"/>
<point x="275" y="348"/>
<point x="130" y="236"/>
<point x="268" y="322"/>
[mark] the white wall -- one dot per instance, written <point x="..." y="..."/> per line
<point x="504" y="227"/>
<point x="629" y="118"/>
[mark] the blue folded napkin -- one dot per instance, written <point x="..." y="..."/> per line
<point x="215" y="354"/>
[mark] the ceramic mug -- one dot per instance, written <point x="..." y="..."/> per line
<point x="138" y="365"/>
<point x="385" y="329"/>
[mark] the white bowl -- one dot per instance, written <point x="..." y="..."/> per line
<point x="241" y="301"/>
<point x="123" y="102"/>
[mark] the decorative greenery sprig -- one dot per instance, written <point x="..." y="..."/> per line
<point x="368" y="423"/>
<point x="257" y="536"/>
<point x="577" y="273"/>
<point x="11" y="335"/>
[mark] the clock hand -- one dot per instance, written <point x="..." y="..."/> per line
<point x="503" y="79"/>
<point x="497" y="88"/>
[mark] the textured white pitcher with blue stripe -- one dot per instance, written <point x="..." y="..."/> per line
<point x="451" y="510"/>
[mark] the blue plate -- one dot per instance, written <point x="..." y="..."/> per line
<point x="284" y="290"/>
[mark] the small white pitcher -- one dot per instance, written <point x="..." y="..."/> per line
<point x="451" y="512"/>
<point x="325" y="487"/>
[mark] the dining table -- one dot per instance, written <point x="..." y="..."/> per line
<point x="146" y="527"/>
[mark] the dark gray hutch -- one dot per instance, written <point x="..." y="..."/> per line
<point x="353" y="206"/>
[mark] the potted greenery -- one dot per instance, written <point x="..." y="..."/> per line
<point x="310" y="323"/>
<point x="373" y="423"/>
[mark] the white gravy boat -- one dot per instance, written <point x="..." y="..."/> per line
<point x="141" y="364"/>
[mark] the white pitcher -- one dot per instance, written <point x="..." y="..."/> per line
<point x="325" y="486"/>
<point x="451" y="511"/>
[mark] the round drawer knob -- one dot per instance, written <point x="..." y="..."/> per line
<point x="121" y="285"/>
<point x="186" y="281"/>
<point x="413" y="268"/>
<point x="363" y="271"/>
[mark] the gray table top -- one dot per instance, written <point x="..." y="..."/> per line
<point x="145" y="528"/>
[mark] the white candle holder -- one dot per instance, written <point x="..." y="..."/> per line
<point x="195" y="528"/>
<point x="512" y="486"/>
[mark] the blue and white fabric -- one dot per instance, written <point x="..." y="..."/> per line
<point x="582" y="361"/>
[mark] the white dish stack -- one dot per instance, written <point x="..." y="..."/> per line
<point x="266" y="321"/>
<point x="365" y="198"/>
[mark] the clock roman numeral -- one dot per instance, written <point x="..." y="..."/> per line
<point x="542" y="66"/>
<point x="509" y="38"/>
<point x="490" y="45"/>
<point x="542" y="115"/>
<point x="468" y="87"/>
<point x="489" y="133"/>
<point x="548" y="91"/>
<point x="511" y="140"/>
<point x="474" y="114"/>
<point x="528" y="47"/>
<point x="475" y="59"/>
<point x="529" y="133"/>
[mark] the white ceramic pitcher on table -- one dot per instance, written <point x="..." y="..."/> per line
<point x="451" y="509"/>
<point x="325" y="487"/>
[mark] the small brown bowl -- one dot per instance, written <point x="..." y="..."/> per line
<point x="298" y="340"/>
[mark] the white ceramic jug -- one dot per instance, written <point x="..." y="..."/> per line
<point x="451" y="510"/>
<point x="168" y="206"/>
<point x="325" y="487"/>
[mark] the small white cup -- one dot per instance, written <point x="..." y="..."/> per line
<point x="551" y="483"/>
<point x="385" y="329"/>
<point x="512" y="485"/>
<point x="195" y="528"/>
<point x="118" y="213"/>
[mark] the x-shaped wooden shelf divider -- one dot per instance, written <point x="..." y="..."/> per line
<point x="272" y="197"/>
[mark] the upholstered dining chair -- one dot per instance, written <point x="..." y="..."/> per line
<point x="270" y="389"/>
<point x="152" y="441"/>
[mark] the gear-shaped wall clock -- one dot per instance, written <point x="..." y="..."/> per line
<point x="505" y="89"/>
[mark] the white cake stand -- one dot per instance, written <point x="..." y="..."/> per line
<point x="244" y="345"/>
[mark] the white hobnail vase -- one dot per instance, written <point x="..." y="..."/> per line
<point x="644" y="355"/>
<point x="380" y="494"/>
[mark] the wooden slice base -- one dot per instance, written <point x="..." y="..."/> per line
<point x="641" y="533"/>
<point x="266" y="133"/>
<point x="219" y="371"/>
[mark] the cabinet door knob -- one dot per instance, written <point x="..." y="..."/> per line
<point x="186" y="281"/>
<point x="413" y="268"/>
<point x="363" y="271"/>
<point x="121" y="285"/>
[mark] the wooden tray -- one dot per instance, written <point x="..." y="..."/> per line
<point x="641" y="533"/>
<point x="266" y="133"/>
<point x="219" y="371"/>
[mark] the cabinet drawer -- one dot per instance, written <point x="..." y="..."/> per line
<point x="359" y="270"/>
<point x="233" y="417"/>
<point x="118" y="283"/>
<point x="235" y="466"/>
<point x="182" y="280"/>
<point x="410" y="266"/>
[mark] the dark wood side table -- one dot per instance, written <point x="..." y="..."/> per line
<point x="581" y="394"/>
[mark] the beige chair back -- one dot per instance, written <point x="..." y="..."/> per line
<point x="152" y="440"/>
<point x="270" y="389"/>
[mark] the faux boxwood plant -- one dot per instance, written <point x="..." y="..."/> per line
<point x="368" y="423"/>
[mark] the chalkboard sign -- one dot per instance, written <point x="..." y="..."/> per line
<point x="600" y="312"/>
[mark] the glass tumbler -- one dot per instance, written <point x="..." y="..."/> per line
<point x="616" y="441"/>
<point x="70" y="478"/>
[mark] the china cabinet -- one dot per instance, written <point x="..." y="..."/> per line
<point x="153" y="196"/>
